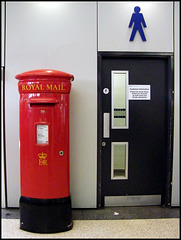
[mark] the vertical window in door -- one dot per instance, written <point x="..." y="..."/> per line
<point x="119" y="82"/>
<point x="119" y="160"/>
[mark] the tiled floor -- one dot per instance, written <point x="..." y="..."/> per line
<point x="114" y="222"/>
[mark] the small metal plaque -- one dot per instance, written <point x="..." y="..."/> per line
<point x="42" y="133"/>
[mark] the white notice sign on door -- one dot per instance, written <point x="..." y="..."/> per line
<point x="139" y="92"/>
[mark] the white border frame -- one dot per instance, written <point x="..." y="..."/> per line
<point x="127" y="99"/>
<point x="112" y="161"/>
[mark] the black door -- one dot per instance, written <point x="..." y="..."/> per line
<point x="134" y="129"/>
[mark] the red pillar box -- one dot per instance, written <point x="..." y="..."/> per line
<point x="45" y="203"/>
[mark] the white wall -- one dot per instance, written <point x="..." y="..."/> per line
<point x="2" y="106"/>
<point x="2" y="31"/>
<point x="114" y="34"/>
<point x="62" y="36"/>
<point x="176" y="155"/>
<point x="2" y="147"/>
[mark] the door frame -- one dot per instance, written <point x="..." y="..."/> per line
<point x="166" y="198"/>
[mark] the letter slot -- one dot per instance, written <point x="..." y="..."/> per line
<point x="34" y="102"/>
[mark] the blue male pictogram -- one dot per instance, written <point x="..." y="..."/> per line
<point x="138" y="19"/>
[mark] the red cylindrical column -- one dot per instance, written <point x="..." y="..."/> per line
<point x="45" y="204"/>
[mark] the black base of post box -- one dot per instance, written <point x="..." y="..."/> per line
<point x="45" y="215"/>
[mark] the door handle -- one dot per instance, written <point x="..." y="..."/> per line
<point x="106" y="119"/>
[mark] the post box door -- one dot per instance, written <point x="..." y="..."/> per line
<point x="44" y="137"/>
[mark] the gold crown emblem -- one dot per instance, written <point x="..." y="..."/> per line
<point x="42" y="155"/>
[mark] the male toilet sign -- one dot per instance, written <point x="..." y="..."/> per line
<point x="138" y="20"/>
